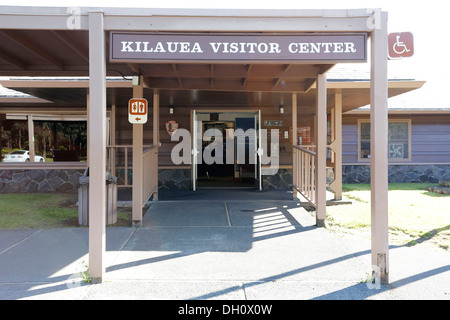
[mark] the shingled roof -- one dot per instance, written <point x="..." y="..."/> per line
<point x="429" y="97"/>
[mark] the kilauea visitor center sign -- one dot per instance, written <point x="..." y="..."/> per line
<point x="141" y="47"/>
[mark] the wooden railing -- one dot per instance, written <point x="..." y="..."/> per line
<point x="120" y="162"/>
<point x="150" y="169"/>
<point x="304" y="172"/>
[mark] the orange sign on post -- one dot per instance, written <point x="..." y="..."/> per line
<point x="137" y="110"/>
<point x="401" y="45"/>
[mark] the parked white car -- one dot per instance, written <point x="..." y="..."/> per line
<point x="21" y="156"/>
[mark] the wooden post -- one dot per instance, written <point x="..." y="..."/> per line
<point x="295" y="167"/>
<point x="138" y="141"/>
<point x="97" y="146"/>
<point x="87" y="127"/>
<point x="112" y="151"/>
<point x="379" y="150"/>
<point x="336" y="145"/>
<point x="321" y="148"/>
<point x="2" y="117"/>
<point x="156" y="136"/>
<point x="31" y="148"/>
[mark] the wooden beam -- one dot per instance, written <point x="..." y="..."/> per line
<point x="230" y="71"/>
<point x="134" y="67"/>
<point x="31" y="138"/>
<point x="295" y="164"/>
<point x="211" y="79"/>
<point x="287" y="67"/>
<point x="336" y="144"/>
<point x="137" y="69"/>
<point x="309" y="84"/>
<point x="66" y="38"/>
<point x="12" y="60"/>
<point x="156" y="142"/>
<point x="138" y="136"/>
<point x="33" y="48"/>
<point x="223" y="85"/>
<point x="276" y="82"/>
<point x="321" y="148"/>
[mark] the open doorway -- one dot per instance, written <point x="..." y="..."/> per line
<point x="235" y="136"/>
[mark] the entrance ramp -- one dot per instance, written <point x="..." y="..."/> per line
<point x="261" y="215"/>
<point x="220" y="246"/>
<point x="236" y="244"/>
<point x="224" y="194"/>
<point x="221" y="225"/>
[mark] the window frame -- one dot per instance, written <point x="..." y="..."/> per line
<point x="396" y="160"/>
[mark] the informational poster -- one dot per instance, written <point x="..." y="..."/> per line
<point x="304" y="135"/>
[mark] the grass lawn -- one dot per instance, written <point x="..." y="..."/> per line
<point x="37" y="210"/>
<point x="415" y="215"/>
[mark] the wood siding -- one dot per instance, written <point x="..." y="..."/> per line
<point x="430" y="138"/>
<point x="182" y="115"/>
<point x="430" y="134"/>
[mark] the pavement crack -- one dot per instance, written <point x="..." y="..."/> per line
<point x="23" y="240"/>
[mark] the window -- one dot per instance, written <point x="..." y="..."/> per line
<point x="399" y="140"/>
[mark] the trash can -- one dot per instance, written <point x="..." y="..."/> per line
<point x="111" y="199"/>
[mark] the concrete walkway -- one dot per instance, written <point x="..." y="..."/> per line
<point x="216" y="249"/>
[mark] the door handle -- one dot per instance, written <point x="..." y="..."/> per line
<point x="259" y="152"/>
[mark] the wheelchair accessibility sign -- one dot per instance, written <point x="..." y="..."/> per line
<point x="137" y="111"/>
<point x="401" y="45"/>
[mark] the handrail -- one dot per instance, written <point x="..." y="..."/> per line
<point x="127" y="146"/>
<point x="305" y="150"/>
<point x="148" y="149"/>
<point x="112" y="155"/>
<point x="304" y="173"/>
<point x="149" y="168"/>
<point x="42" y="165"/>
<point x="150" y="174"/>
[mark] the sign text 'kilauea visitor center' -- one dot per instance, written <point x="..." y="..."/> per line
<point x="238" y="47"/>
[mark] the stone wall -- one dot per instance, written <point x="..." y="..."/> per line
<point x="279" y="181"/>
<point x="174" y="178"/>
<point x="398" y="173"/>
<point x="40" y="180"/>
<point x="67" y="180"/>
<point x="181" y="179"/>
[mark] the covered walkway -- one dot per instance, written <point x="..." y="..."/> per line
<point x="81" y="41"/>
<point x="262" y="251"/>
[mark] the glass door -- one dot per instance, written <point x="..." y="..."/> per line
<point x="258" y="151"/>
<point x="194" y="150"/>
